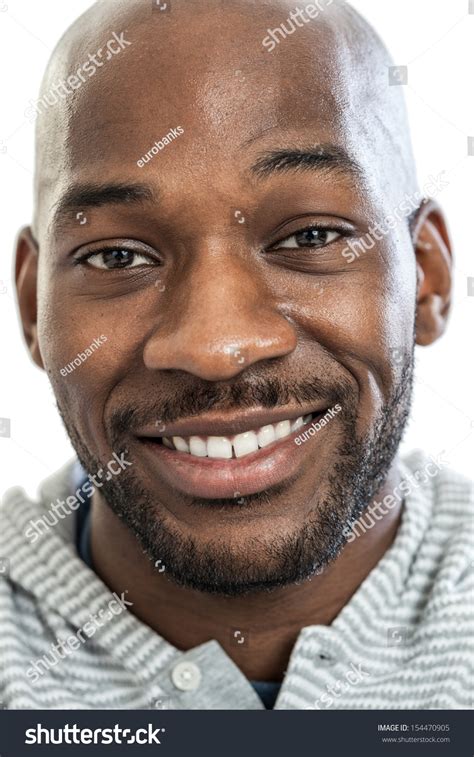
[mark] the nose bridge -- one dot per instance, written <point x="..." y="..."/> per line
<point x="230" y="285"/>
<point x="222" y="317"/>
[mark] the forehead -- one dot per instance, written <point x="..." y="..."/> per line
<point x="212" y="76"/>
<point x="212" y="73"/>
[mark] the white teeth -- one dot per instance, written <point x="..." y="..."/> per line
<point x="219" y="447"/>
<point x="224" y="448"/>
<point x="198" y="446"/>
<point x="266" y="436"/>
<point x="297" y="424"/>
<point x="282" y="429"/>
<point x="180" y="444"/>
<point x="246" y="443"/>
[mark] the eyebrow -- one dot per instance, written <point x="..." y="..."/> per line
<point x="327" y="158"/>
<point x="83" y="196"/>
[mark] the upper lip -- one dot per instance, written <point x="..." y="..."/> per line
<point x="224" y="425"/>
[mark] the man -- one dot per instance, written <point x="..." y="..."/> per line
<point x="228" y="321"/>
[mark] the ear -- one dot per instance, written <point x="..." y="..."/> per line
<point x="26" y="271"/>
<point x="432" y="246"/>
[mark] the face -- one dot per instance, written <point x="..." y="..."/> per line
<point x="234" y="319"/>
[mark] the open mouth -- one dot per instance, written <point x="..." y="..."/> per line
<point x="236" y="445"/>
<point x="215" y="457"/>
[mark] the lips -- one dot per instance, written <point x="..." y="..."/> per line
<point x="232" y="470"/>
<point x="237" y="445"/>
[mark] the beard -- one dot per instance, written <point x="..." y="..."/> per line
<point x="225" y="566"/>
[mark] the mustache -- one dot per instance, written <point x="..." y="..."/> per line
<point x="199" y="398"/>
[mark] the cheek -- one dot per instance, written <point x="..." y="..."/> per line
<point x="69" y="332"/>
<point x="92" y="349"/>
<point x="367" y="307"/>
<point x="355" y="316"/>
<point x="81" y="358"/>
<point x="364" y="320"/>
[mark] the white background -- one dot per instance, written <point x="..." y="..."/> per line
<point x="435" y="39"/>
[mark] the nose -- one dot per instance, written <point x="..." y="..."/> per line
<point x="220" y="319"/>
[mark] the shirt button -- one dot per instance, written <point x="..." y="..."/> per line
<point x="186" y="676"/>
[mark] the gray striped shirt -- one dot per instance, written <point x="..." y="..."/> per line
<point x="404" y="640"/>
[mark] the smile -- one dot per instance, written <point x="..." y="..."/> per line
<point x="225" y="459"/>
<point x="239" y="445"/>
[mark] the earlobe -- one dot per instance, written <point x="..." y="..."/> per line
<point x="433" y="252"/>
<point x="26" y="270"/>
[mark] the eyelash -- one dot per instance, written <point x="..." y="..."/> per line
<point x="83" y="259"/>
<point x="342" y="232"/>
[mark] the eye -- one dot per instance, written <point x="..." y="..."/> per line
<point x="116" y="257"/>
<point x="314" y="237"/>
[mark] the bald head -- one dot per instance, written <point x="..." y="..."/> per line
<point x="224" y="70"/>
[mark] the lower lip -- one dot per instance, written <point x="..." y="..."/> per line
<point x="225" y="479"/>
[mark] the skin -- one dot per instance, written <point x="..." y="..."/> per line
<point x="221" y="294"/>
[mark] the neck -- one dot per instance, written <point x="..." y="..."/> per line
<point x="270" y="623"/>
